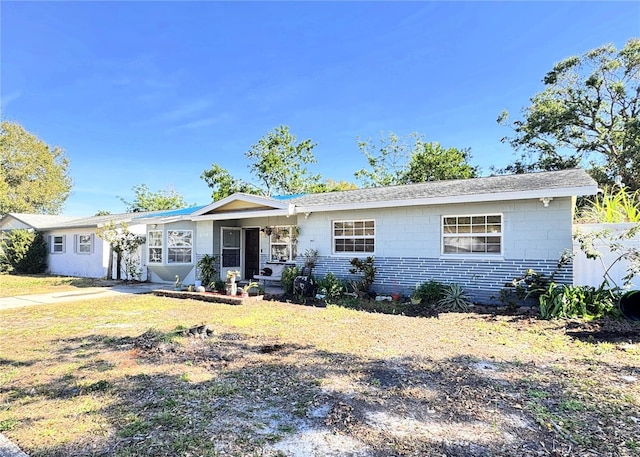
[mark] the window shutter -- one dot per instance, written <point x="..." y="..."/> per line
<point x="92" y="236"/>
<point x="64" y="243"/>
<point x="75" y="244"/>
<point x="50" y="243"/>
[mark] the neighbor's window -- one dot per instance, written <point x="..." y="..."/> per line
<point x="354" y="236"/>
<point x="179" y="246"/>
<point x="154" y="243"/>
<point x="472" y="234"/>
<point x="282" y="244"/>
<point x="57" y="244"/>
<point x="84" y="244"/>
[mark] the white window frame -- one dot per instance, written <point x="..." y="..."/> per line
<point x="350" y="230"/>
<point x="153" y="246"/>
<point x="473" y="229"/>
<point x="182" y="249"/>
<point x="84" y="244"/>
<point x="286" y="245"/>
<point x="55" y="245"/>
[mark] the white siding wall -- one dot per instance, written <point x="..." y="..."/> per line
<point x="72" y="263"/>
<point x="530" y="231"/>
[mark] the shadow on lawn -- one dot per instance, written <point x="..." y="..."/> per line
<point x="263" y="392"/>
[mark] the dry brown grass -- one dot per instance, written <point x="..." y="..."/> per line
<point x="91" y="378"/>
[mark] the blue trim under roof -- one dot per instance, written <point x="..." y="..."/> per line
<point x="287" y="197"/>
<point x="174" y="212"/>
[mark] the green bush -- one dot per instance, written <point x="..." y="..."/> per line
<point x="429" y="292"/>
<point x="563" y="301"/>
<point x="289" y="274"/>
<point x="331" y="286"/>
<point x="23" y="251"/>
<point x="367" y="270"/>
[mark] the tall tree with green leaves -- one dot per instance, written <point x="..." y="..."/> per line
<point x="433" y="162"/>
<point x="146" y="200"/>
<point x="409" y="159"/>
<point x="34" y="177"/>
<point x="223" y="184"/>
<point x="279" y="162"/>
<point x="587" y="114"/>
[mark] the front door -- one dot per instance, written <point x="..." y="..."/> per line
<point x="251" y="252"/>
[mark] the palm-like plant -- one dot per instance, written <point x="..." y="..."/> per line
<point x="454" y="299"/>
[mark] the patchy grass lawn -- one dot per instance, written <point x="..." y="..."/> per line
<point x="112" y="377"/>
<point x="13" y="285"/>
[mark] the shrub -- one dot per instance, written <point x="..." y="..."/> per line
<point x="367" y="270"/>
<point x="206" y="268"/>
<point x="562" y="301"/>
<point x="331" y="285"/>
<point x="454" y="299"/>
<point x="289" y="274"/>
<point x="429" y="292"/>
<point x="24" y="252"/>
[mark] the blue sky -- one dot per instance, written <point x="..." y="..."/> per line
<point x="155" y="92"/>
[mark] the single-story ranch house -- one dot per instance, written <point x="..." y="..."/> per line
<point x="479" y="233"/>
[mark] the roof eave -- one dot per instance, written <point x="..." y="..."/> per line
<point x="471" y="198"/>
<point x="244" y="215"/>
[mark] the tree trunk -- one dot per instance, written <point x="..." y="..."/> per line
<point x="110" y="268"/>
<point x="118" y="265"/>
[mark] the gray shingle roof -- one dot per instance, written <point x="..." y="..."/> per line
<point x="564" y="179"/>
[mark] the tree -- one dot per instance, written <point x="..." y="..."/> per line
<point x="432" y="162"/>
<point x="590" y="106"/>
<point x="125" y="244"/>
<point x="410" y="160"/>
<point x="329" y="185"/>
<point x="279" y="162"/>
<point x="23" y="251"/>
<point x="33" y="176"/>
<point x="223" y="184"/>
<point x="145" y="200"/>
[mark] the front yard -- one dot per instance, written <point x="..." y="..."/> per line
<point x="113" y="377"/>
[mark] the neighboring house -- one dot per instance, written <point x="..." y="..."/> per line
<point x="479" y="233"/>
<point x="74" y="248"/>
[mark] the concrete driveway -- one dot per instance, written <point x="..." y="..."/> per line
<point x="83" y="293"/>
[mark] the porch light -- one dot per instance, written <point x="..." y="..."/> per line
<point x="545" y="201"/>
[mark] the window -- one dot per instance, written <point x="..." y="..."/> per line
<point x="84" y="244"/>
<point x="179" y="246"/>
<point x="282" y="244"/>
<point x="154" y="243"/>
<point x="354" y="236"/>
<point x="472" y="234"/>
<point x="57" y="244"/>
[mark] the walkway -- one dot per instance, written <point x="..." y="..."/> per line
<point x="82" y="293"/>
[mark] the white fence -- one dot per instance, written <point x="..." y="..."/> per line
<point x="587" y="272"/>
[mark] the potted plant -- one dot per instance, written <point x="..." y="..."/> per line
<point x="206" y="270"/>
<point x="247" y="288"/>
<point x="310" y="258"/>
<point x="232" y="275"/>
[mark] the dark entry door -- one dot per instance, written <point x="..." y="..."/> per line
<point x="251" y="252"/>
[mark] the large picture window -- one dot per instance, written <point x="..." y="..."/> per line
<point x="282" y="244"/>
<point x="179" y="246"/>
<point x="154" y="243"/>
<point x="473" y="235"/>
<point x="354" y="236"/>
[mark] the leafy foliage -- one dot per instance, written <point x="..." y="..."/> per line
<point x="331" y="286"/>
<point x="23" y="251"/>
<point x="564" y="301"/>
<point x="289" y="274"/>
<point x="366" y="269"/>
<point x="145" y="200"/>
<point x="33" y="176"/>
<point x="279" y="162"/>
<point x="223" y="184"/>
<point x="612" y="207"/>
<point x="206" y="268"/>
<point x="409" y="160"/>
<point x="591" y="105"/>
